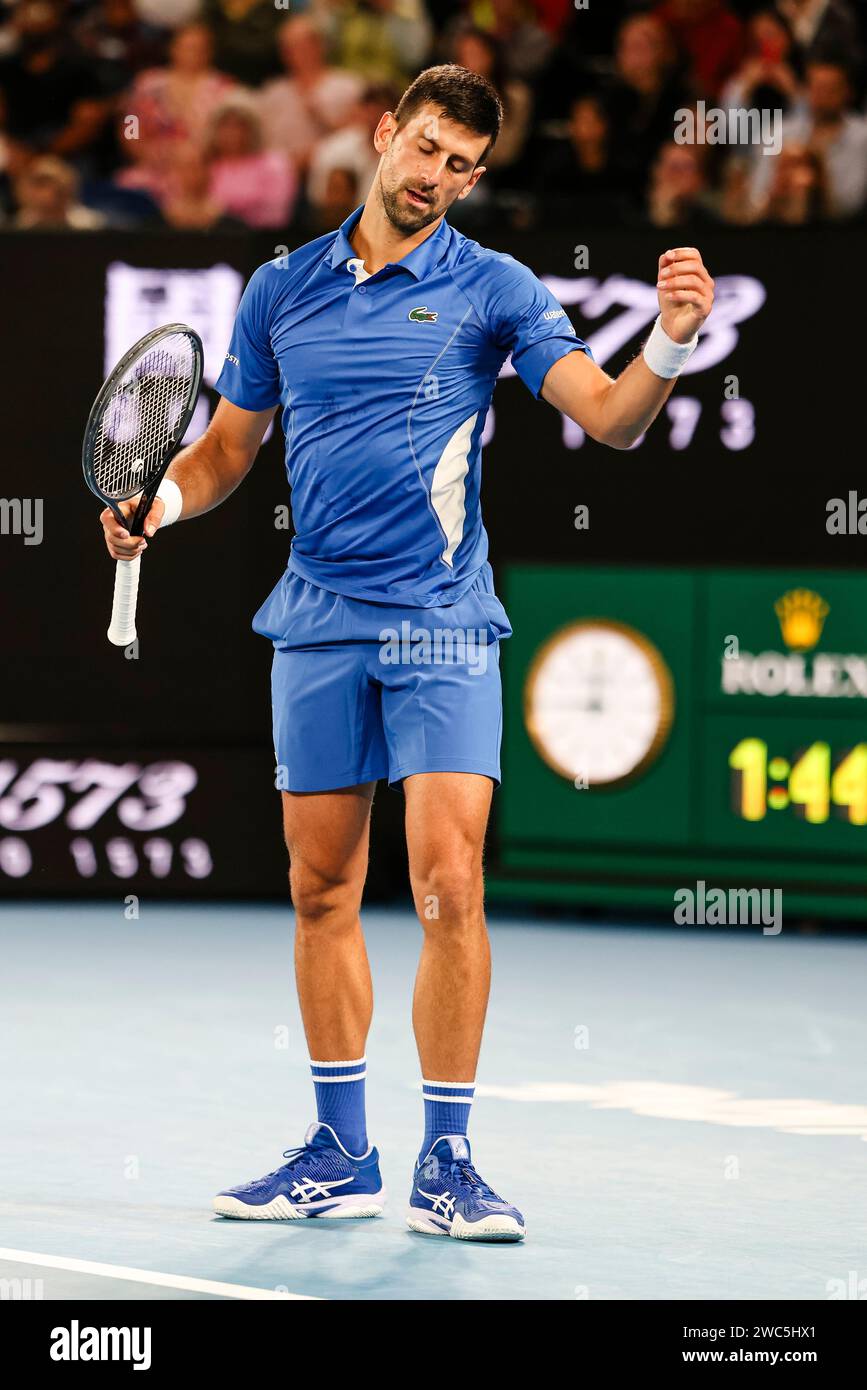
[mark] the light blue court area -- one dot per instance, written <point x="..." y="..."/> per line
<point x="680" y="1113"/>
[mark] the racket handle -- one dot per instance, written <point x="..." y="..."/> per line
<point x="122" y="629"/>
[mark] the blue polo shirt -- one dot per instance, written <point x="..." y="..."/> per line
<point x="385" y="381"/>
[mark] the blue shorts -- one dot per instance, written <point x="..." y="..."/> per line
<point x="362" y="691"/>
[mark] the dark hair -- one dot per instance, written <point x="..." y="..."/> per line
<point x="462" y="96"/>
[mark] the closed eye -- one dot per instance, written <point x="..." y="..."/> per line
<point x="456" y="164"/>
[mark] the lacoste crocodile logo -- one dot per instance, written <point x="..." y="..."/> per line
<point x="423" y="315"/>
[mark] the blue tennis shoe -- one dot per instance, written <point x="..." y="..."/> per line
<point x="318" y="1179"/>
<point x="450" y="1199"/>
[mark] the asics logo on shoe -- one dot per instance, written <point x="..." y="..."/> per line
<point x="308" y="1191"/>
<point x="443" y="1203"/>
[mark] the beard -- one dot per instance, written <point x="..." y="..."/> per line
<point x="403" y="215"/>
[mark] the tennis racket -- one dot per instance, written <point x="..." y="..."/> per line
<point x="133" y="432"/>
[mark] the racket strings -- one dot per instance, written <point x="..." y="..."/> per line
<point x="141" y="416"/>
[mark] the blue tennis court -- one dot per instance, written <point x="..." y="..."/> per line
<point x="680" y="1114"/>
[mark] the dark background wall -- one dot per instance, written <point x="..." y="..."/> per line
<point x="717" y="481"/>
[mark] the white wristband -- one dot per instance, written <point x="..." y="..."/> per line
<point x="172" y="499"/>
<point x="663" y="355"/>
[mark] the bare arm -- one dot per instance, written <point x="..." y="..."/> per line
<point x="617" y="412"/>
<point x="207" y="472"/>
<point x="612" y="412"/>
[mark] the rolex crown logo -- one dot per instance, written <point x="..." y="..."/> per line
<point x="802" y="616"/>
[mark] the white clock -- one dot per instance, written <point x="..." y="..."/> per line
<point x="598" y="702"/>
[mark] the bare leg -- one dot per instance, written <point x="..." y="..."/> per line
<point x="327" y="835"/>
<point x="446" y="816"/>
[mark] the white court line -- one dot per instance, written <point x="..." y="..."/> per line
<point x="148" y="1276"/>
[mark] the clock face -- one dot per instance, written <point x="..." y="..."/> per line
<point x="598" y="702"/>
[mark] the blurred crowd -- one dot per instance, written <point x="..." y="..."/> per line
<point x="222" y="114"/>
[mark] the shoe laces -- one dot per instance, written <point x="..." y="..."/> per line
<point x="466" y="1174"/>
<point x="295" y="1156"/>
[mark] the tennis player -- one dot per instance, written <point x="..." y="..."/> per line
<point x="381" y="344"/>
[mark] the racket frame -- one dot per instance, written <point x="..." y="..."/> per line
<point x="135" y="525"/>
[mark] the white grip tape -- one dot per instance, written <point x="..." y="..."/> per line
<point x="122" y="629"/>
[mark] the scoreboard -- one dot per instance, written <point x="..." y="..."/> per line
<point x="666" y="727"/>
<point x="91" y="818"/>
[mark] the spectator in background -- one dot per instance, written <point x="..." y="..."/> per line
<point x="677" y="193"/>
<point x="643" y="95"/>
<point x="581" y="55"/>
<point x="822" y="29"/>
<point x="14" y="158"/>
<point x="735" y="204"/>
<point x="351" y="148"/>
<point x="766" y="79"/>
<point x="253" y="184"/>
<point x="826" y="125"/>
<point x="554" y="15"/>
<point x="710" y="35"/>
<point x="188" y="203"/>
<point x="384" y="41"/>
<point x="47" y="196"/>
<point x="6" y="148"/>
<point x="799" y="190"/>
<point x="117" y="43"/>
<point x="245" y="37"/>
<point x="312" y="100"/>
<point x="53" y="101"/>
<point x="177" y="102"/>
<point x="167" y="15"/>
<point x="341" y="197"/>
<point x="146" y="158"/>
<point x="513" y="23"/>
<point x="481" y="53"/>
<point x="581" y="169"/>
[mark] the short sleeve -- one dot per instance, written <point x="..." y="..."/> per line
<point x="250" y="377"/>
<point x="528" y="322"/>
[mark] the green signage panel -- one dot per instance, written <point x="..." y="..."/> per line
<point x="786" y="638"/>
<point x="664" y="726"/>
<point x="618" y="647"/>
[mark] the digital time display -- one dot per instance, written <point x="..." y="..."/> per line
<point x="815" y="782"/>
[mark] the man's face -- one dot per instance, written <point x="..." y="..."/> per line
<point x="301" y="47"/>
<point x="827" y="90"/>
<point x="43" y="194"/>
<point x="427" y="165"/>
<point x="678" y="168"/>
<point x="640" y="46"/>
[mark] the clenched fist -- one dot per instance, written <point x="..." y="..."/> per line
<point x="685" y="292"/>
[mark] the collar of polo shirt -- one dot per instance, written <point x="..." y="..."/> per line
<point x="419" y="262"/>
